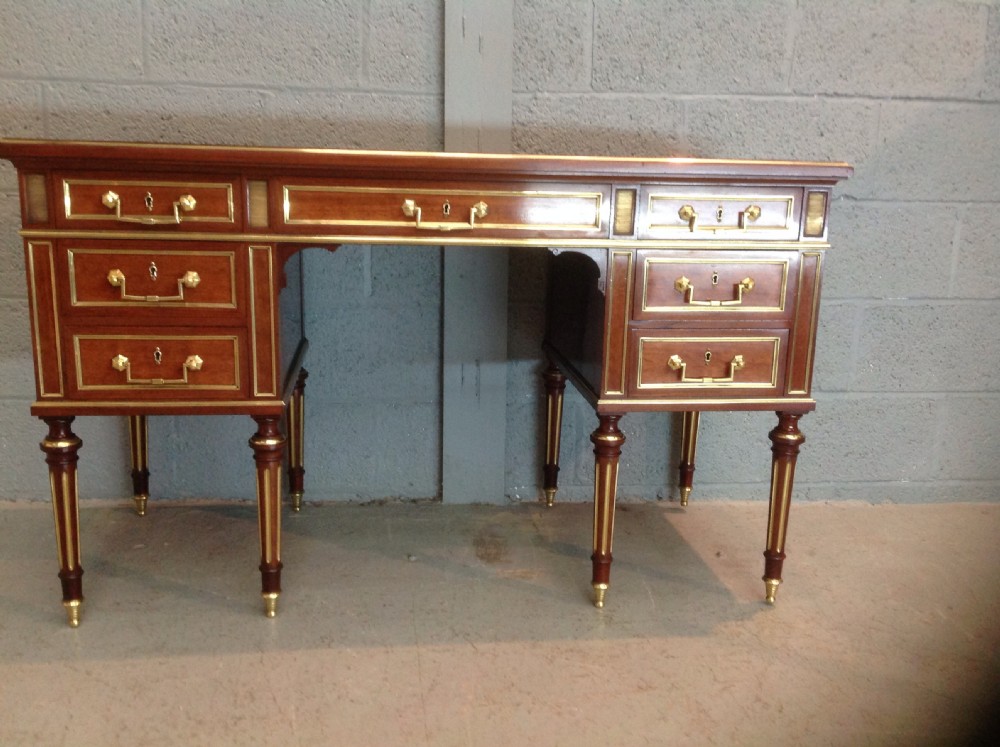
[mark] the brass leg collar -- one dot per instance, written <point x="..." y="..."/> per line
<point x="599" y="591"/>
<point x="140" y="504"/>
<point x="73" y="612"/>
<point x="771" y="588"/>
<point x="296" y="499"/>
<point x="270" y="604"/>
<point x="550" y="497"/>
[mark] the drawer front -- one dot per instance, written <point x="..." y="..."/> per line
<point x="733" y="214"/>
<point x="167" y="365"/>
<point x="570" y="210"/>
<point x="102" y="277"/>
<point x="673" y="284"/>
<point x="745" y="363"/>
<point x="170" y="203"/>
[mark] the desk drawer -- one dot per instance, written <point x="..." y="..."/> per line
<point x="569" y="210"/>
<point x="675" y="284"/>
<point x="726" y="363"/>
<point x="733" y="214"/>
<point x="165" y="364"/>
<point x="103" y="276"/>
<point x="178" y="204"/>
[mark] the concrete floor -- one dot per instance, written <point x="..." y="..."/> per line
<point x="408" y="624"/>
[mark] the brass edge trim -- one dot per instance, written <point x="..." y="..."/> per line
<point x="682" y="402"/>
<point x="789" y="200"/>
<point x="814" y="320"/>
<point x="775" y="340"/>
<point x="628" y="315"/>
<point x="67" y="197"/>
<point x="465" y="239"/>
<point x="686" y="309"/>
<point x="71" y="254"/>
<point x="39" y="358"/>
<point x="253" y="321"/>
<point x="146" y="406"/>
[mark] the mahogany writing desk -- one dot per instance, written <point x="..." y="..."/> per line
<point x="154" y="271"/>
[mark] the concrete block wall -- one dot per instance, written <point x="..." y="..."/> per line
<point x="909" y="397"/>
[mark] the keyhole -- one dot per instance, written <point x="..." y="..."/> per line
<point x="715" y="278"/>
<point x="708" y="357"/>
<point x="153" y="272"/>
<point x="718" y="214"/>
<point x="446" y="208"/>
<point x="157" y="356"/>
<point x="149" y="201"/>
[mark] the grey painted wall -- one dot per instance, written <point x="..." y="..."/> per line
<point x="909" y="92"/>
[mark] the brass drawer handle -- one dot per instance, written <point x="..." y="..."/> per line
<point x="189" y="279"/>
<point x="479" y="210"/>
<point x="185" y="203"/>
<point x="677" y="364"/>
<point x="122" y="363"/>
<point x="688" y="214"/>
<point x="683" y="285"/>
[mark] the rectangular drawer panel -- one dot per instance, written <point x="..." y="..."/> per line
<point x="154" y="277"/>
<point x="169" y="203"/>
<point x="397" y="209"/>
<point x="208" y="364"/>
<point x="683" y="283"/>
<point x="723" y="362"/>
<point x="734" y="214"/>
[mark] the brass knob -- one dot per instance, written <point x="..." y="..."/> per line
<point x="687" y="212"/>
<point x="187" y="203"/>
<point x="109" y="199"/>
<point x="752" y="213"/>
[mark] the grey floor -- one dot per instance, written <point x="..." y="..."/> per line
<point x="406" y="624"/>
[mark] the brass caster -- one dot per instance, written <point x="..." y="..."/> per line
<point x="550" y="497"/>
<point x="296" y="502"/>
<point x="685" y="494"/>
<point x="270" y="604"/>
<point x="599" y="591"/>
<point x="73" y="612"/>
<point x="771" y="587"/>
<point x="140" y="504"/>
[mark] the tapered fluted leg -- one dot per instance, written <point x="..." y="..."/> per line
<point x="296" y="441"/>
<point x="61" y="446"/>
<point x="689" y="445"/>
<point x="138" y="436"/>
<point x="607" y="440"/>
<point x="268" y="446"/>
<point x="555" y="387"/>
<point x="786" y="440"/>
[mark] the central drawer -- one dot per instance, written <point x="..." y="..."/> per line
<point x="495" y="210"/>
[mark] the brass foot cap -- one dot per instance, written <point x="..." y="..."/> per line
<point x="550" y="497"/>
<point x="270" y="604"/>
<point x="685" y="494"/>
<point x="599" y="591"/>
<point x="140" y="504"/>
<point x="771" y="589"/>
<point x="73" y="612"/>
<point x="296" y="502"/>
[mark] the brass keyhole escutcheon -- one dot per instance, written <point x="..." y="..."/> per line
<point x="715" y="278"/>
<point x="708" y="357"/>
<point x="718" y="214"/>
<point x="446" y="208"/>
<point x="157" y="356"/>
<point x="153" y="271"/>
<point x="149" y="201"/>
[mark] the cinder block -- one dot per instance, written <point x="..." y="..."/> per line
<point x="151" y="113"/>
<point x="257" y="42"/>
<point x="553" y="45"/>
<point x="888" y="250"/>
<point x="200" y="457"/>
<point x="804" y="129"/>
<point x="976" y="272"/>
<point x="835" y="349"/>
<point x="406" y="275"/>
<point x="21" y="104"/>
<point x="17" y="372"/>
<point x="99" y="39"/>
<point x="969" y="443"/>
<point x="598" y="125"/>
<point x="929" y="347"/>
<point x="406" y="45"/>
<point x="332" y="278"/>
<point x="991" y="85"/>
<point x="12" y="283"/>
<point x="733" y="448"/>
<point x="674" y="46"/>
<point x="932" y="152"/>
<point x="25" y="476"/>
<point x="354" y="120"/>
<point x="933" y="48"/>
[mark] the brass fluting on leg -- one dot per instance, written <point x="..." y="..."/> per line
<point x="270" y="604"/>
<point x="771" y="588"/>
<point x="599" y="591"/>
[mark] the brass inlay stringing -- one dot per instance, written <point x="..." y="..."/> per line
<point x="689" y="214"/>
<point x="185" y="203"/>
<point x="189" y="279"/>
<point x="191" y="363"/>
<point x="746" y="219"/>
<point x="678" y="364"/>
<point x="35" y="320"/>
<point x="815" y="214"/>
<point x="412" y="210"/>
<point x="270" y="322"/>
<point x="683" y="285"/>
<point x="652" y="262"/>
